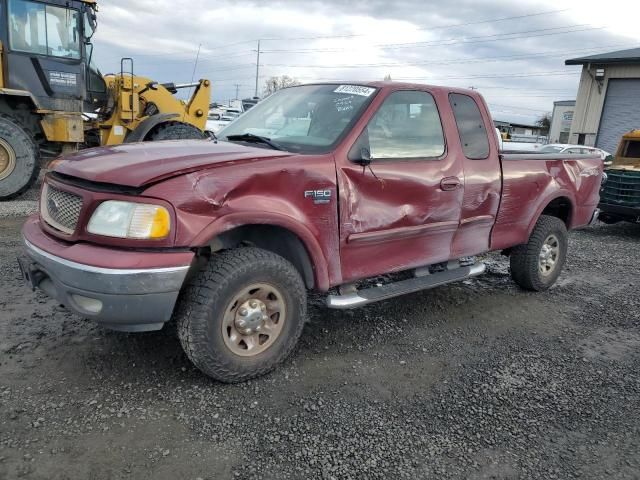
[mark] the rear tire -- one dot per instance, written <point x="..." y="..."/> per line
<point x="175" y="131"/>
<point x="19" y="159"/>
<point x="537" y="264"/>
<point x="609" y="219"/>
<point x="242" y="314"/>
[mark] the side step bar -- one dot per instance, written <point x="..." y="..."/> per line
<point x="424" y="282"/>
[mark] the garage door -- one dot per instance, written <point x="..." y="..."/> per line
<point x="621" y="112"/>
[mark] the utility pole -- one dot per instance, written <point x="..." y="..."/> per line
<point x="257" y="68"/>
<point x="193" y="74"/>
<point x="237" y="85"/>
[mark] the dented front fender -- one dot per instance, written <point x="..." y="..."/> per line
<point x="266" y="192"/>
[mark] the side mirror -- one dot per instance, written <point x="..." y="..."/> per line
<point x="365" y="157"/>
<point x="360" y="153"/>
<point x="361" y="156"/>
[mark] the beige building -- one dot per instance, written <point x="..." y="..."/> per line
<point x="608" y="101"/>
<point x="561" y="120"/>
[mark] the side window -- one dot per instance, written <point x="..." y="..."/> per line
<point x="27" y="29"/>
<point x="473" y="135"/>
<point x="407" y="125"/>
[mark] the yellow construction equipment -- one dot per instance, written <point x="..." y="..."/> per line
<point x="53" y="99"/>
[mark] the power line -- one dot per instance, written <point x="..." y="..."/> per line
<point x="321" y="37"/>
<point x="438" y="27"/>
<point x="513" y="106"/>
<point x="425" y="78"/>
<point x="498" y="75"/>
<point x="516" y="57"/>
<point x="426" y="44"/>
<point x="451" y="62"/>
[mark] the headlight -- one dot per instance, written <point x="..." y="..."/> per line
<point x="114" y="218"/>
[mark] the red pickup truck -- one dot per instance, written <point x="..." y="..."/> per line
<point x="318" y="187"/>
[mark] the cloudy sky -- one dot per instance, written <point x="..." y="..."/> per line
<point x="512" y="52"/>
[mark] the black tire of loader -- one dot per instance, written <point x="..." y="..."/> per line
<point x="175" y="131"/>
<point x="27" y="158"/>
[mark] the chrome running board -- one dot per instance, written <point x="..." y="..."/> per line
<point x="422" y="282"/>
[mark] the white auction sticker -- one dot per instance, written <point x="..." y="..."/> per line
<point x="355" y="90"/>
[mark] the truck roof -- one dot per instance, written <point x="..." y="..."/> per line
<point x="383" y="84"/>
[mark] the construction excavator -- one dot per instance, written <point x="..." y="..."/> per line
<point x="54" y="100"/>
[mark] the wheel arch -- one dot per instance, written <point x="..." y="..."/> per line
<point x="21" y="106"/>
<point x="559" y="205"/>
<point x="275" y="233"/>
<point x="8" y="96"/>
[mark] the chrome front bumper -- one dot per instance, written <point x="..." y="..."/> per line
<point x="119" y="299"/>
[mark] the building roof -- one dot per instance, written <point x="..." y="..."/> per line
<point x="631" y="55"/>
<point x="524" y="125"/>
<point x="502" y="123"/>
<point x="565" y="103"/>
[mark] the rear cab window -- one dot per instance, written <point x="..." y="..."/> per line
<point x="471" y="128"/>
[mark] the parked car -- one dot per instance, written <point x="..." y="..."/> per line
<point x="620" y="194"/>
<point x="220" y="118"/>
<point x="318" y="187"/>
<point x="516" y="143"/>
<point x="562" y="148"/>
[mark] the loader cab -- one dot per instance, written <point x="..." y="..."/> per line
<point x="46" y="50"/>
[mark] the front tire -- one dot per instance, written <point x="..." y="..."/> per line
<point x="19" y="159"/>
<point x="537" y="264"/>
<point x="242" y="314"/>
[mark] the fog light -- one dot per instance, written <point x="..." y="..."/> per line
<point x="90" y="305"/>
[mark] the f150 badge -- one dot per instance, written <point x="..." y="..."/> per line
<point x="319" y="196"/>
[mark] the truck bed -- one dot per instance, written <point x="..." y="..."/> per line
<point x="570" y="181"/>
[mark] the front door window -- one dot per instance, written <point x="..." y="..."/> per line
<point x="406" y="126"/>
<point x="44" y="29"/>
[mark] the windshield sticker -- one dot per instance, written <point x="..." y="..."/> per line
<point x="355" y="90"/>
<point x="344" y="104"/>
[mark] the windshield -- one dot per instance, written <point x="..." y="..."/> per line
<point x="306" y="119"/>
<point x="44" y="29"/>
<point x="550" y="149"/>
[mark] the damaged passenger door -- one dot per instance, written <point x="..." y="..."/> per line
<point x="400" y="188"/>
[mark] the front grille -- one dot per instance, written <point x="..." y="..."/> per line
<point x="60" y="209"/>
<point x="622" y="188"/>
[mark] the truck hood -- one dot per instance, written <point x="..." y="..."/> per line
<point x="140" y="164"/>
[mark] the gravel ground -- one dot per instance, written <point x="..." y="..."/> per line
<point x="473" y="380"/>
<point x="24" y="205"/>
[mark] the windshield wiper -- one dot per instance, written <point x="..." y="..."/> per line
<point x="250" y="137"/>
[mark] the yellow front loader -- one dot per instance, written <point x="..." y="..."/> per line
<point x="140" y="109"/>
<point x="54" y="100"/>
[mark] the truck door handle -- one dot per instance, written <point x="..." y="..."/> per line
<point x="450" y="183"/>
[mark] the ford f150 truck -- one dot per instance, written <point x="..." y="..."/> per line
<point x="318" y="187"/>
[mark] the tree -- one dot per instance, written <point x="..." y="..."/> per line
<point x="544" y="122"/>
<point x="387" y="78"/>
<point x="274" y="84"/>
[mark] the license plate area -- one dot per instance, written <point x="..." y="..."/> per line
<point x="30" y="272"/>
